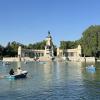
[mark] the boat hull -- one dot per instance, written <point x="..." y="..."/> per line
<point x="18" y="76"/>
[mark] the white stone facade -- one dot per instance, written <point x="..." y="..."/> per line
<point x="47" y="53"/>
<point x="71" y="54"/>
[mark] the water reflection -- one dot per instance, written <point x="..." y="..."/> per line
<point x="18" y="64"/>
<point x="52" y="81"/>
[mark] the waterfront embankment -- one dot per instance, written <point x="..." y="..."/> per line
<point x="76" y="59"/>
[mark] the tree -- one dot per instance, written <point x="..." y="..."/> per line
<point x="68" y="44"/>
<point x="90" y="40"/>
<point x="38" y="45"/>
<point x="1" y="51"/>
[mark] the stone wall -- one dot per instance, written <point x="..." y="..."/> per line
<point x="10" y="59"/>
<point x="82" y="59"/>
<point x="90" y="59"/>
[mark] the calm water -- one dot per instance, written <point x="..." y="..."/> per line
<point x="51" y="81"/>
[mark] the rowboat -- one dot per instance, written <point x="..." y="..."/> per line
<point x="23" y="74"/>
<point x="91" y="68"/>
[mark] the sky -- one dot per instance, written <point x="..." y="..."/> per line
<point x="28" y="21"/>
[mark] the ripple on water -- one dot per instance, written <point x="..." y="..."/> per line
<point x="52" y="82"/>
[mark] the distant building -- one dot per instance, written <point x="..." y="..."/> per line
<point x="48" y="53"/>
<point x="71" y="54"/>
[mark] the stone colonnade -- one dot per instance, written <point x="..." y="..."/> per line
<point x="69" y="52"/>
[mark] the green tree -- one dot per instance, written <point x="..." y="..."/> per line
<point x="1" y="51"/>
<point x="68" y="44"/>
<point x="91" y="40"/>
<point x="38" y="45"/>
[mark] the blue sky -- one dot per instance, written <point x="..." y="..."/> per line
<point x="28" y="21"/>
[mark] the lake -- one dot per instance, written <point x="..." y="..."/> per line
<point x="51" y="81"/>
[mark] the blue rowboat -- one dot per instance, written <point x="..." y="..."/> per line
<point x="91" y="68"/>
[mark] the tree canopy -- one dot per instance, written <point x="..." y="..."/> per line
<point x="68" y="44"/>
<point x="91" y="40"/>
<point x="38" y="45"/>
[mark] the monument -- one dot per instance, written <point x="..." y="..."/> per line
<point x="49" y="47"/>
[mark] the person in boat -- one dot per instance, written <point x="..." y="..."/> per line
<point x="19" y="71"/>
<point x="11" y="72"/>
